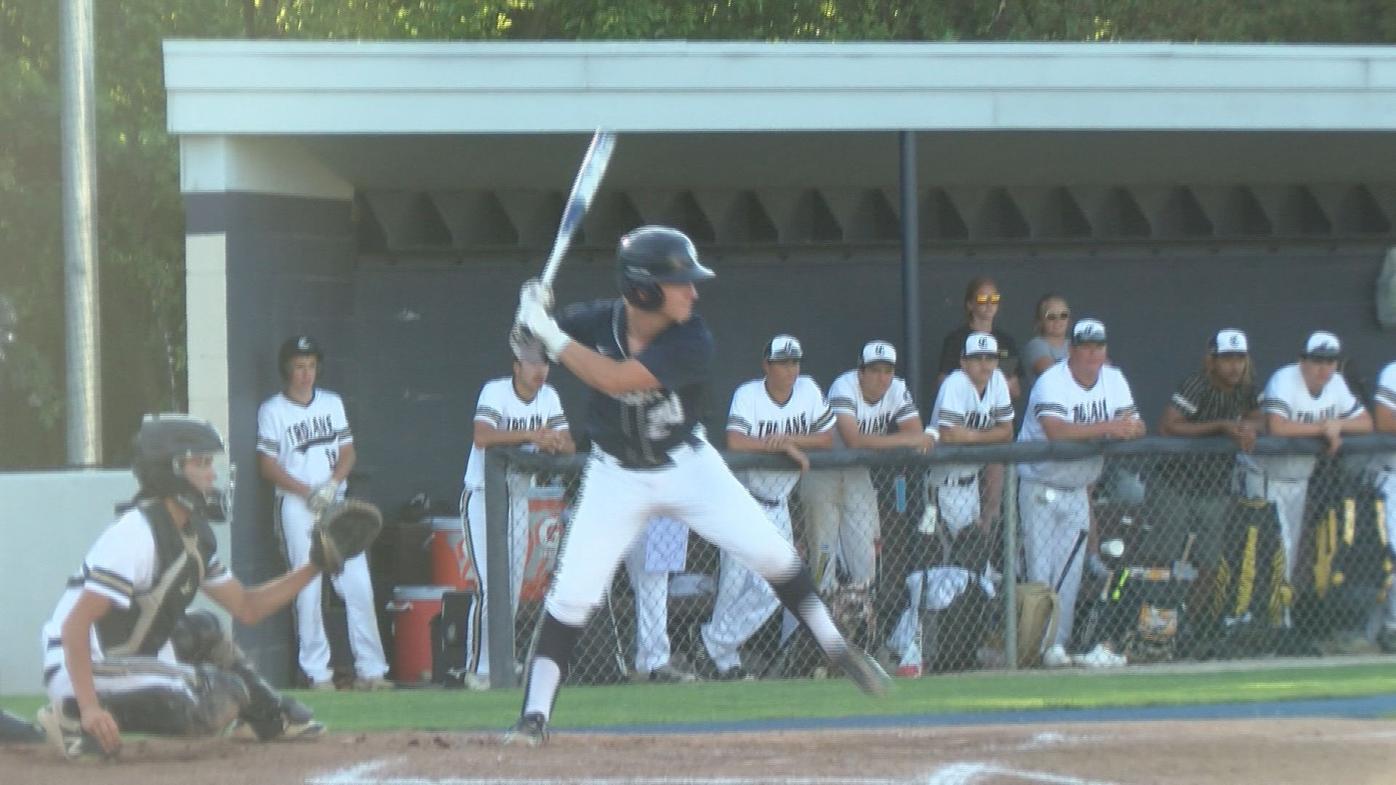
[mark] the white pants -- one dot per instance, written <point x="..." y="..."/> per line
<point x="1053" y="519"/>
<point x="958" y="504"/>
<point x="651" y="590"/>
<point x="353" y="585"/>
<point x="616" y="503"/>
<point x="1387" y="485"/>
<point x="1288" y="497"/>
<point x="476" y="534"/>
<point x="744" y="601"/>
<point x="843" y="525"/>
<point x="161" y="672"/>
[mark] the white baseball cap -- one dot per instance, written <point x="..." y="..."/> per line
<point x="977" y="344"/>
<point x="1323" y="345"/>
<point x="784" y="347"/>
<point x="878" y="352"/>
<point x="1088" y="331"/>
<point x="1229" y="341"/>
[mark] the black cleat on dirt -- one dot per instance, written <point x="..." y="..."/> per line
<point x="863" y="671"/>
<point x="531" y="730"/>
<point x="67" y="735"/>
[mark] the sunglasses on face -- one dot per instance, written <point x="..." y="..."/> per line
<point x="985" y="299"/>
<point x="1058" y="316"/>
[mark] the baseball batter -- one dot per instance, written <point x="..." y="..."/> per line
<point x="1082" y="399"/>
<point x="1307" y="398"/>
<point x="872" y="410"/>
<point x="519" y="409"/>
<point x="1384" y="409"/>
<point x="306" y="449"/>
<point x="647" y="358"/>
<point x="120" y="653"/>
<point x="782" y="412"/>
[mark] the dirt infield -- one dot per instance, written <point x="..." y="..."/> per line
<point x="1352" y="752"/>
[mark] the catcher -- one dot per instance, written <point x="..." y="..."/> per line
<point x="121" y="654"/>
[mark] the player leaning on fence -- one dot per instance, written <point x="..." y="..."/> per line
<point x="1218" y="400"/>
<point x="1384" y="412"/>
<point x="782" y="412"/>
<point x="1082" y="399"/>
<point x="1307" y="398"/>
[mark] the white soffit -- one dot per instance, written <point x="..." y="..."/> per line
<point x="275" y="87"/>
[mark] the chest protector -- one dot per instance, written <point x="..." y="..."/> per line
<point x="181" y="559"/>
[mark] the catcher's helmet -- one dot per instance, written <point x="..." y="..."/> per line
<point x="652" y="255"/>
<point x="297" y="346"/>
<point x="161" y="445"/>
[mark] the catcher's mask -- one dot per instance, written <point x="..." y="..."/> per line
<point x="162" y="453"/>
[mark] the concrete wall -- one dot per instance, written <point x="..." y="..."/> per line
<point x="48" y="520"/>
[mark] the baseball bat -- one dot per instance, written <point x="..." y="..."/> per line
<point x="589" y="174"/>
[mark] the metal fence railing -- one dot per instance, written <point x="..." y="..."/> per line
<point x="1173" y="549"/>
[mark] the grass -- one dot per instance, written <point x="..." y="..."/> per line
<point x="589" y="707"/>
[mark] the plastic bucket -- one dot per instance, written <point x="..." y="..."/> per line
<point x="450" y="559"/>
<point x="413" y="608"/>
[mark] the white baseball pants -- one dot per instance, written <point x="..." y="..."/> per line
<point x="476" y="533"/>
<point x="1387" y="485"/>
<point x="651" y="590"/>
<point x="744" y="600"/>
<point x="354" y="585"/>
<point x="843" y="525"/>
<point x="1289" y="497"/>
<point x="616" y="503"/>
<point x="1052" y="520"/>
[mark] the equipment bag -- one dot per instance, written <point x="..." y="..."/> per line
<point x="448" y="638"/>
<point x="1250" y="596"/>
<point x="1352" y="559"/>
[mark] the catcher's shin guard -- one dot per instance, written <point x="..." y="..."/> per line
<point x="198" y="638"/>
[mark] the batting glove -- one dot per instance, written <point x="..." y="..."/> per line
<point x="534" y="318"/>
<point x="534" y="290"/>
<point x="323" y="496"/>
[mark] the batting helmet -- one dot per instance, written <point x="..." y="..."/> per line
<point x="652" y="255"/>
<point x="297" y="346"/>
<point x="159" y="450"/>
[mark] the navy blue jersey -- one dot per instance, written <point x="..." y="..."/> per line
<point x="640" y="428"/>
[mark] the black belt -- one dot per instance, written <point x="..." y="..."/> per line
<point x="968" y="479"/>
<point x="769" y="504"/>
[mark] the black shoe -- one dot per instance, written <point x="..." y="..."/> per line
<point x="863" y="671"/>
<point x="668" y="673"/>
<point x="531" y="730"/>
<point x="736" y="673"/>
<point x="67" y="735"/>
<point x="1387" y="640"/>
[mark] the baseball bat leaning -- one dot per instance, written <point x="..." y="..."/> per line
<point x="589" y="174"/>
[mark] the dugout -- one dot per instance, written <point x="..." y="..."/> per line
<point x="389" y="198"/>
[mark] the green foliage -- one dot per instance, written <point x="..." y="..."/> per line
<point x="140" y="219"/>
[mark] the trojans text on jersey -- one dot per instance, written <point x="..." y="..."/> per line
<point x="798" y="425"/>
<point x="307" y="433"/>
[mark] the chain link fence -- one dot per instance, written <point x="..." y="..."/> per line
<point x="1157" y="549"/>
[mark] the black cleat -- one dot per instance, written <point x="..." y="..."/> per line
<point x="863" y="671"/>
<point x="531" y="730"/>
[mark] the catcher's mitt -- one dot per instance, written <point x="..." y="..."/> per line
<point x="344" y="530"/>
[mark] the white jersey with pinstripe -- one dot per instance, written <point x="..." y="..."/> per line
<point x="304" y="438"/>
<point x="876" y="418"/>
<point x="1386" y="396"/>
<point x="754" y="413"/>
<point x="123" y="567"/>
<point x="1287" y="396"/>
<point x="959" y="405"/>
<point x="1058" y="394"/>
<point x="500" y="407"/>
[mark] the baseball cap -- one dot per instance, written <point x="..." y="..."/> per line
<point x="1323" y="345"/>
<point x="977" y="344"/>
<point x="1229" y="341"/>
<point x="784" y="347"/>
<point x="878" y="352"/>
<point x="1088" y="331"/>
